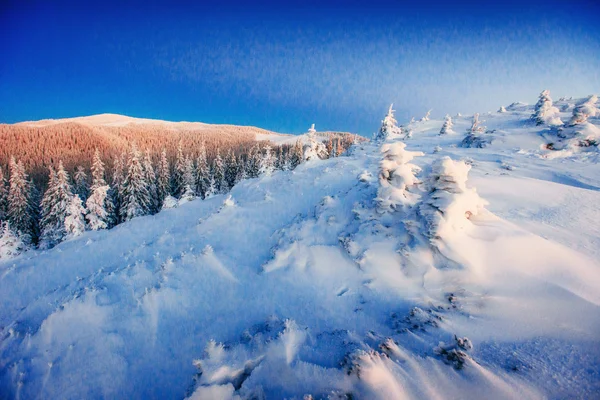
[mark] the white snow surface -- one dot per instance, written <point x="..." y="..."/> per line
<point x="294" y="284"/>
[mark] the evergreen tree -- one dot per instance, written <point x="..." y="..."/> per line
<point x="334" y="148"/>
<point x="178" y="184"/>
<point x="267" y="162"/>
<point x="330" y="147"/>
<point x="287" y="160"/>
<point x="20" y="207"/>
<point x="218" y="174"/>
<point x="253" y="162"/>
<point x="476" y="125"/>
<point x="55" y="203"/>
<point x="136" y="198"/>
<point x="3" y="196"/>
<point x="116" y="193"/>
<point x="150" y="178"/>
<point x="545" y="112"/>
<point x="389" y="126"/>
<point x="202" y="173"/>
<point x="189" y="177"/>
<point x="315" y="150"/>
<point x="74" y="219"/>
<point x="231" y="169"/>
<point x="163" y="185"/>
<point x="297" y="154"/>
<point x="447" y="127"/>
<point x="212" y="189"/>
<point x="80" y="180"/>
<point x="97" y="214"/>
<point x="11" y="244"/>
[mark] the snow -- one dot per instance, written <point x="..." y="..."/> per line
<point x="295" y="284"/>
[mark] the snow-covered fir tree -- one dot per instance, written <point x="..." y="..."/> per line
<point x="397" y="180"/>
<point x="136" y="198"/>
<point x="267" y="162"/>
<point x="426" y="117"/>
<point x="189" y="177"/>
<point x="502" y="110"/>
<point x="329" y="147"/>
<point x="585" y="109"/>
<point x="253" y="163"/>
<point x="20" y="212"/>
<point x="11" y="244"/>
<point x="74" y="219"/>
<point x="280" y="158"/>
<point x="188" y="195"/>
<point x="218" y="174"/>
<point x="178" y="171"/>
<point x="545" y="112"/>
<point x="212" y="187"/>
<point x="296" y="154"/>
<point x="202" y="173"/>
<point x="315" y="149"/>
<point x="447" y="127"/>
<point x="231" y="169"/>
<point x="163" y="181"/>
<point x="389" y="126"/>
<point x="476" y="126"/>
<point x="55" y="204"/>
<point x="3" y="196"/>
<point x="150" y="177"/>
<point x="97" y="215"/>
<point x="116" y="192"/>
<point x="80" y="183"/>
<point x="450" y="203"/>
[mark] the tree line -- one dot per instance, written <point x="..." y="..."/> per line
<point x="139" y="183"/>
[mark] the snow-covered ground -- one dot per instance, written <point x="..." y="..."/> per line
<point x="298" y="285"/>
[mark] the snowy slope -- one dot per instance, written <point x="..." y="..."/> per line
<point x="297" y="286"/>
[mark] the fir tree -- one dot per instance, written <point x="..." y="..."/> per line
<point x="20" y="207"/>
<point x="315" y="150"/>
<point x="447" y="127"/>
<point x="80" y="186"/>
<point x="389" y="126"/>
<point x="231" y="169"/>
<point x="74" y="219"/>
<point x="202" y="173"/>
<point x="330" y="147"/>
<point x="545" y="112"/>
<point x="280" y="158"/>
<point x="179" y="170"/>
<point x="150" y="178"/>
<point x="189" y="177"/>
<point x="3" y="196"/>
<point x="253" y="162"/>
<point x="55" y="203"/>
<point x="97" y="215"/>
<point x="116" y="193"/>
<point x="267" y="162"/>
<point x="136" y="198"/>
<point x="218" y="174"/>
<point x="297" y="154"/>
<point x="11" y="244"/>
<point x="163" y="185"/>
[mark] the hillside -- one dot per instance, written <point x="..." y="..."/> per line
<point x="300" y="283"/>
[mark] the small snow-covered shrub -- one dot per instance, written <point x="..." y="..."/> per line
<point x="455" y="353"/>
<point x="447" y="127"/>
<point x="11" y="244"/>
<point x="475" y="137"/>
<point x="169" y="202"/>
<point x="450" y="203"/>
<point x="397" y="178"/>
<point x="584" y="110"/>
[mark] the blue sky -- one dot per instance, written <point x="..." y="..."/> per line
<point x="284" y="65"/>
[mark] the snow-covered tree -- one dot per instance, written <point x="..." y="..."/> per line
<point x="80" y="183"/>
<point x="397" y="180"/>
<point x="218" y="174"/>
<point x="502" y="110"/>
<point x="11" y="244"/>
<point x="116" y="192"/>
<point x="74" y="219"/>
<point x="267" y="162"/>
<point x="212" y="187"/>
<point x="315" y="149"/>
<point x="450" y="203"/>
<point x="280" y="158"/>
<point x="179" y="170"/>
<point x="447" y="127"/>
<point x="20" y="212"/>
<point x="584" y="110"/>
<point x="169" y="202"/>
<point x="97" y="214"/>
<point x="329" y="147"/>
<point x="3" y="196"/>
<point x="296" y="154"/>
<point x="202" y="173"/>
<point x="97" y="171"/>
<point x="150" y="177"/>
<point x="545" y="112"/>
<point x="389" y="126"/>
<point x="136" y="198"/>
<point x="426" y="117"/>
<point x="476" y="126"/>
<point x="163" y="181"/>
<point x="187" y="196"/>
<point x="189" y="177"/>
<point x="231" y="169"/>
<point x="55" y="204"/>
<point x="253" y="162"/>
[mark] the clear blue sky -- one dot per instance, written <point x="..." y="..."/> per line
<point x="285" y="65"/>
